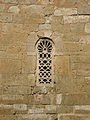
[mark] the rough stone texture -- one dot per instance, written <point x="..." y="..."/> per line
<point x="22" y="24"/>
<point x="87" y="28"/>
<point x="65" y="11"/>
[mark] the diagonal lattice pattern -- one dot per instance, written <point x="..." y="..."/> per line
<point x="45" y="61"/>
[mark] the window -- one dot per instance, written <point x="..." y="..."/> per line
<point x="44" y="61"/>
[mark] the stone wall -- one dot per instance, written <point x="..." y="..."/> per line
<point x="67" y="23"/>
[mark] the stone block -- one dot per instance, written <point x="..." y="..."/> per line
<point x="41" y="89"/>
<point x="39" y="99"/>
<point x="62" y="75"/>
<point x="72" y="37"/>
<point x="6" y="17"/>
<point x="82" y="109"/>
<point x="45" y="2"/>
<point x="59" y="99"/>
<point x="16" y="90"/>
<point x="76" y="19"/>
<point x="86" y="48"/>
<point x="73" y="48"/>
<point x="44" y="27"/>
<point x="87" y="80"/>
<point x="10" y="1"/>
<point x="77" y="28"/>
<point x="50" y="109"/>
<point x="87" y="27"/>
<point x="57" y="25"/>
<point x="73" y="117"/>
<point x="13" y="99"/>
<point x="14" y="9"/>
<point x="29" y="65"/>
<point x="58" y="41"/>
<point x="65" y="11"/>
<point x="36" y="111"/>
<point x="31" y="41"/>
<point x="45" y="33"/>
<point x="29" y="19"/>
<point x="27" y="2"/>
<point x="48" y="10"/>
<point x="88" y="1"/>
<point x="53" y="117"/>
<point x="33" y="117"/>
<point x="10" y="39"/>
<point x="6" y="109"/>
<point x="76" y="99"/>
<point x="8" y="117"/>
<point x="12" y="28"/>
<point x="2" y="7"/>
<point x="64" y="109"/>
<point x="83" y="7"/>
<point x="18" y="18"/>
<point x="15" y="79"/>
<point x="20" y="107"/>
<point x="80" y="59"/>
<point x="30" y="27"/>
<point x="31" y="79"/>
<point x="65" y="3"/>
<point x="10" y="66"/>
<point x="31" y="9"/>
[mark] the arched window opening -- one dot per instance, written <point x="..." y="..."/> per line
<point x="45" y="62"/>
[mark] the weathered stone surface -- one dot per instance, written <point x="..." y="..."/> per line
<point x="82" y="109"/>
<point x="5" y="17"/>
<point x="45" y="26"/>
<point x="48" y="10"/>
<point x="58" y="40"/>
<point x="40" y="99"/>
<point x="10" y="39"/>
<point x="15" y="79"/>
<point x="59" y="99"/>
<point x="73" y="48"/>
<point x="6" y="109"/>
<point x="72" y="117"/>
<point x="77" y="28"/>
<point x="36" y="111"/>
<point x="31" y="48"/>
<point x="2" y="7"/>
<point x="85" y="39"/>
<point x="14" y="9"/>
<point x="87" y="28"/>
<point x="62" y="75"/>
<point x="76" y="99"/>
<point x="33" y="116"/>
<point x="50" y="108"/>
<point x="31" y="79"/>
<point x="65" y="3"/>
<point x="65" y="11"/>
<point x="31" y="9"/>
<point x="29" y="65"/>
<point x="14" y="89"/>
<point x="13" y="99"/>
<point x="67" y="24"/>
<point x="27" y="2"/>
<point x="20" y="107"/>
<point x="10" y="1"/>
<point x="10" y="66"/>
<point x="64" y="109"/>
<point x="76" y="19"/>
<point x="83" y="7"/>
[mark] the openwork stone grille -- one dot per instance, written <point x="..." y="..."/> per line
<point x="44" y="68"/>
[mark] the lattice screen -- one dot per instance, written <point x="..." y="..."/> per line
<point x="44" y="61"/>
